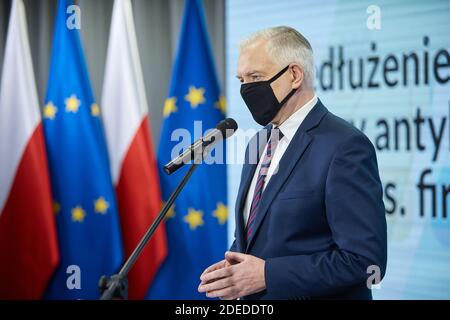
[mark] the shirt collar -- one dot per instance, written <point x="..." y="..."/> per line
<point x="290" y="125"/>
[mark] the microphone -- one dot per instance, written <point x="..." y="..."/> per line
<point x="225" y="128"/>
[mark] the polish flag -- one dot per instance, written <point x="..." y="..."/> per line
<point x="133" y="165"/>
<point x="28" y="240"/>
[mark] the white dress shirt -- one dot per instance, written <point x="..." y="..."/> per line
<point x="288" y="128"/>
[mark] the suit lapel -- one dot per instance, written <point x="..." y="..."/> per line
<point x="248" y="172"/>
<point x="292" y="155"/>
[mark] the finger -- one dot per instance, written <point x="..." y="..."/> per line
<point x="213" y="267"/>
<point x="216" y="285"/>
<point x="230" y="262"/>
<point x="231" y="256"/>
<point x="220" y="293"/>
<point x="217" y="274"/>
<point x="232" y="297"/>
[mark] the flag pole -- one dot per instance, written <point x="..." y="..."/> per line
<point x="116" y="287"/>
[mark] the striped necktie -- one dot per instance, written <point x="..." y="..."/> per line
<point x="275" y="136"/>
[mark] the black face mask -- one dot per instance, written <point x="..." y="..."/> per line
<point x="261" y="101"/>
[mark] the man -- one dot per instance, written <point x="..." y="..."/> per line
<point x="310" y="219"/>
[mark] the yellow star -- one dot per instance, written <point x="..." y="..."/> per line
<point x="221" y="213"/>
<point x="171" y="212"/>
<point x="95" y="110"/>
<point x="195" y="96"/>
<point x="50" y="111"/>
<point x="72" y="104"/>
<point x="221" y="104"/>
<point x="56" y="207"/>
<point x="101" y="205"/>
<point x="194" y="218"/>
<point x="78" y="214"/>
<point x="170" y="105"/>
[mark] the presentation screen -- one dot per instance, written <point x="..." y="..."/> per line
<point x="385" y="67"/>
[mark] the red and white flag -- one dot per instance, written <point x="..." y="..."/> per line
<point x="28" y="240"/>
<point x="133" y="165"/>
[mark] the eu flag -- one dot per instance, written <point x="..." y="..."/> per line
<point x="196" y="225"/>
<point x="84" y="200"/>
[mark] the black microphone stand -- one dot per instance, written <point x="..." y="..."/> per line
<point x="117" y="286"/>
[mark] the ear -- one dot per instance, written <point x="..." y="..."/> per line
<point x="297" y="75"/>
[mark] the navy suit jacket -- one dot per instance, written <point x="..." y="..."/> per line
<point x="321" y="220"/>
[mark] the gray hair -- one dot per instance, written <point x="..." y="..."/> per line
<point x="286" y="45"/>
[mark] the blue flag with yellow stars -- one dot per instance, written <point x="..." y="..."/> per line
<point x="84" y="200"/>
<point x="196" y="225"/>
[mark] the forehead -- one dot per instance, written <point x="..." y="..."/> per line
<point x="254" y="57"/>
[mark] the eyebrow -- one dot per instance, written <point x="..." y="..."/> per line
<point x="251" y="72"/>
